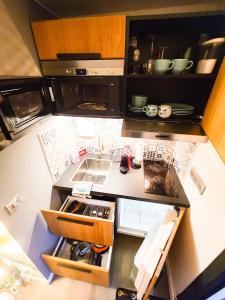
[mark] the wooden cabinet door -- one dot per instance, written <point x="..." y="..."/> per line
<point x="103" y="34"/>
<point x="107" y="36"/>
<point x="214" y="117"/>
<point x="76" y="35"/>
<point x="48" y="38"/>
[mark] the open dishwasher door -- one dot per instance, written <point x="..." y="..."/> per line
<point x="158" y="224"/>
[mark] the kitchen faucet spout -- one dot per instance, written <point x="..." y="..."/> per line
<point x="99" y="147"/>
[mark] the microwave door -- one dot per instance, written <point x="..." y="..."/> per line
<point x="24" y="106"/>
<point x="21" y="107"/>
<point x="68" y="97"/>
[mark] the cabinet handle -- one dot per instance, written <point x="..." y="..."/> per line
<point x="162" y="136"/>
<point x="51" y="94"/>
<point x="74" y="268"/>
<point x="75" y="221"/>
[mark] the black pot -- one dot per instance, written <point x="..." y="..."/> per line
<point x="82" y="252"/>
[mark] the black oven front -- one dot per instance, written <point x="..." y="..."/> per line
<point x="87" y="95"/>
<point x="22" y="103"/>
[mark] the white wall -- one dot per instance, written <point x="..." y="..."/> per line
<point x="201" y="237"/>
<point x="23" y="171"/>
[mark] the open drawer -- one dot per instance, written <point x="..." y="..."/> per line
<point x="59" y="263"/>
<point x="80" y="227"/>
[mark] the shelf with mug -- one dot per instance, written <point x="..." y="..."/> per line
<point x="166" y="76"/>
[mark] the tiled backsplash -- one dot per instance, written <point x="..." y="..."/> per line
<point x="66" y="135"/>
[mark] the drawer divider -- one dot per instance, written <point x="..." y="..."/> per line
<point x="86" y="223"/>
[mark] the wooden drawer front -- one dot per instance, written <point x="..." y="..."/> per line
<point x="76" y="270"/>
<point x="78" y="227"/>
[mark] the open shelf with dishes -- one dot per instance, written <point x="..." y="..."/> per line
<point x="189" y="95"/>
<point x="156" y="44"/>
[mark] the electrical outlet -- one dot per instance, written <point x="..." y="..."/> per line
<point x="197" y="181"/>
<point x="14" y="204"/>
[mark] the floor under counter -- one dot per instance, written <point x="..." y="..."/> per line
<point x="124" y="250"/>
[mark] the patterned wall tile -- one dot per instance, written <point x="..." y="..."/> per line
<point x="69" y="134"/>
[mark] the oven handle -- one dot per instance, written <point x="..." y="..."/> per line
<point x="51" y="93"/>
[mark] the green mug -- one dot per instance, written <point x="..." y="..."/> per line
<point x="161" y="66"/>
<point x="181" y="65"/>
<point x="139" y="100"/>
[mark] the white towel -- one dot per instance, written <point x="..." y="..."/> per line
<point x="150" y="256"/>
<point x="82" y="188"/>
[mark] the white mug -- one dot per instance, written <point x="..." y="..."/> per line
<point x="161" y="66"/>
<point x="181" y="65"/>
<point x="151" y="110"/>
<point x="165" y="111"/>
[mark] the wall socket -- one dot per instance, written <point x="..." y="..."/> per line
<point x="197" y="181"/>
<point x="14" y="204"/>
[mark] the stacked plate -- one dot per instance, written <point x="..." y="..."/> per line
<point x="180" y="109"/>
<point x="135" y="109"/>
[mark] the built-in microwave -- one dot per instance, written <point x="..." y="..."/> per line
<point x="94" y="96"/>
<point x="86" y="87"/>
<point x="22" y="103"/>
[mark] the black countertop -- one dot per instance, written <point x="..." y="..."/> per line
<point x="129" y="186"/>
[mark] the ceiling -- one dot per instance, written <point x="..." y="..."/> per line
<point x="71" y="8"/>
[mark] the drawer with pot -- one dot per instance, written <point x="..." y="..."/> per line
<point x="83" y="219"/>
<point x="61" y="263"/>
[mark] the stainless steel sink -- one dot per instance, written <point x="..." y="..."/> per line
<point x="94" y="170"/>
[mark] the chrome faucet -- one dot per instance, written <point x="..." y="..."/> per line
<point x="99" y="148"/>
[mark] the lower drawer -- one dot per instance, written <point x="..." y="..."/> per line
<point x="60" y="264"/>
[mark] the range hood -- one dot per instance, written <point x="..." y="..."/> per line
<point x="184" y="132"/>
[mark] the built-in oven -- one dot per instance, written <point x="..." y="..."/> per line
<point x="89" y="87"/>
<point x="22" y="103"/>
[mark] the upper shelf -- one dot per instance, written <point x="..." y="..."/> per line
<point x="166" y="76"/>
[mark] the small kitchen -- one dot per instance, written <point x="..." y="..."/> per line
<point x="110" y="144"/>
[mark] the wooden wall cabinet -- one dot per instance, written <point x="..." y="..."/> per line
<point x="214" y="117"/>
<point x="48" y="35"/>
<point x="103" y="34"/>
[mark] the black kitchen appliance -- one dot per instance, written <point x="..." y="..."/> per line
<point x="22" y="103"/>
<point x="86" y="95"/>
<point x="69" y="87"/>
<point x="85" y="87"/>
